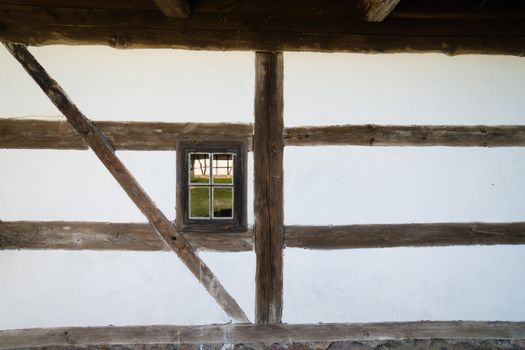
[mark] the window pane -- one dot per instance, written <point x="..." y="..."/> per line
<point x="222" y="202"/>
<point x="199" y="202"/>
<point x="223" y="168"/>
<point x="199" y="168"/>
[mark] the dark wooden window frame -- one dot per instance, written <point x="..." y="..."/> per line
<point x="239" y="221"/>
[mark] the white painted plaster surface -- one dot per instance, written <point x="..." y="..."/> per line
<point x="324" y="185"/>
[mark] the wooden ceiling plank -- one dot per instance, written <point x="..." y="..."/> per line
<point x="174" y="8"/>
<point x="37" y="25"/>
<point x="102" y="147"/>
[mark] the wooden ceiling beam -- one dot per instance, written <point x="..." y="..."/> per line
<point x="174" y="8"/>
<point x="328" y="30"/>
<point x="74" y="235"/>
<point x="102" y="147"/>
<point x="377" y="10"/>
<point x="258" y="333"/>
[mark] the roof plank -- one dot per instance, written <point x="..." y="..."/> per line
<point x="254" y="26"/>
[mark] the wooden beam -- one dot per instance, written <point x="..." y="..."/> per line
<point x="404" y="135"/>
<point x="174" y="8"/>
<point x="137" y="136"/>
<point x="73" y="235"/>
<point x="377" y="10"/>
<point x="106" y="153"/>
<point x="319" y="27"/>
<point x="268" y="186"/>
<point x="260" y="333"/>
<point x="146" y="136"/>
<point x="404" y="235"/>
<point x="466" y="10"/>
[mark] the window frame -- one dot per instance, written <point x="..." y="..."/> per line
<point x="238" y="222"/>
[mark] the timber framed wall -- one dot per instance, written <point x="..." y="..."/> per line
<point x="270" y="235"/>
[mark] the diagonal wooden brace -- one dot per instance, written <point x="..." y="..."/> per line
<point x="98" y="142"/>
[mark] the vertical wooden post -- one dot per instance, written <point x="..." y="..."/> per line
<point x="268" y="182"/>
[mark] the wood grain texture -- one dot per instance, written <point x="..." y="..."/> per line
<point x="407" y="135"/>
<point x="137" y="136"/>
<point x="268" y="186"/>
<point x="323" y="26"/>
<point x="259" y="333"/>
<point x="145" y="136"/>
<point x="404" y="235"/>
<point x="174" y="8"/>
<point x="73" y="235"/>
<point x="386" y="344"/>
<point x="102" y="147"/>
<point x="377" y="10"/>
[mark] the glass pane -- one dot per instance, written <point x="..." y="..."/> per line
<point x="199" y="202"/>
<point x="223" y="168"/>
<point x="199" y="168"/>
<point x="223" y="202"/>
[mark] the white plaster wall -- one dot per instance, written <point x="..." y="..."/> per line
<point x="372" y="185"/>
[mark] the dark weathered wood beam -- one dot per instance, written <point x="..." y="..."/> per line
<point x="249" y="26"/>
<point x="259" y="333"/>
<point x="404" y="135"/>
<point x="174" y="8"/>
<point x="72" y="235"/>
<point x="102" y="147"/>
<point x="377" y="10"/>
<point x="138" y="136"/>
<point x="146" y="136"/>
<point x="404" y="235"/>
<point x="268" y="186"/>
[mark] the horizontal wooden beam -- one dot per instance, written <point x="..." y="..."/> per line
<point x="413" y="135"/>
<point x="139" y="136"/>
<point x="259" y="333"/>
<point x="142" y="136"/>
<point x="110" y="236"/>
<point x="404" y="235"/>
<point x="255" y="27"/>
<point x="140" y="237"/>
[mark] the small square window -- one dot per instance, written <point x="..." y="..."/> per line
<point x="211" y="186"/>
